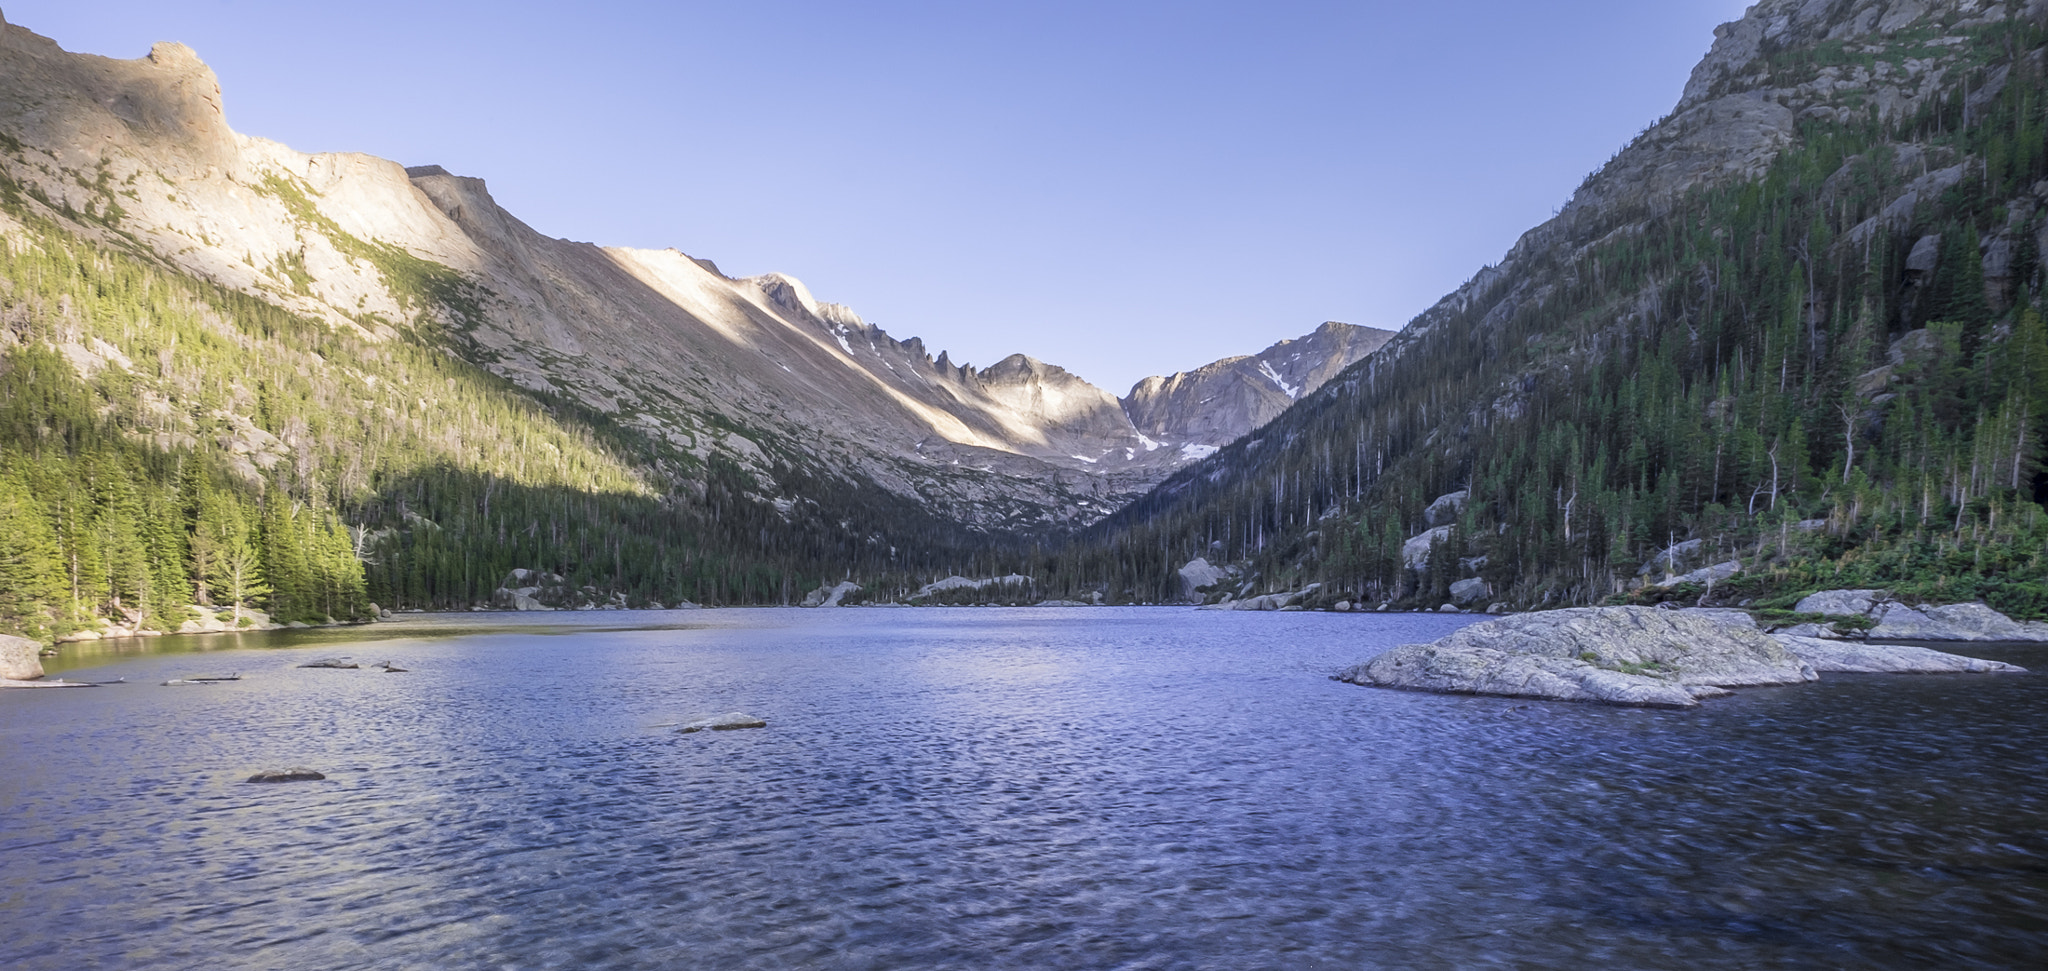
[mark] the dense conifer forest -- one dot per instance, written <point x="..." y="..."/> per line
<point x="166" y="443"/>
<point x="1769" y="367"/>
<point x="1834" y="375"/>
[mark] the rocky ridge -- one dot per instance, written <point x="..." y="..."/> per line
<point x="754" y="371"/>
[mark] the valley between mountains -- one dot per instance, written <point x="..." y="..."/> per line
<point x="1786" y="340"/>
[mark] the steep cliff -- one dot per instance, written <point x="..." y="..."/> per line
<point x="1793" y="321"/>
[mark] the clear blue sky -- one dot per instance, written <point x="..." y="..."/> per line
<point x="1120" y="188"/>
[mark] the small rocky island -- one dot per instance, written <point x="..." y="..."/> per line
<point x="1636" y="656"/>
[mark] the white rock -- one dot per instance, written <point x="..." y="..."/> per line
<point x="1470" y="591"/>
<point x="1853" y="656"/>
<point x="1636" y="656"/>
<point x="1199" y="573"/>
<point x="1840" y="602"/>
<point x="20" y="658"/>
<point x="1415" y="552"/>
<point x="831" y="596"/>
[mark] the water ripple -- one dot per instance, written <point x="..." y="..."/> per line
<point x="998" y="789"/>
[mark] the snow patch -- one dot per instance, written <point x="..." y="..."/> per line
<point x="1150" y="445"/>
<point x="1195" y="453"/>
<point x="1292" y="391"/>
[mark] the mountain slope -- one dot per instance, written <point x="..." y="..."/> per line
<point x="271" y="348"/>
<point x="755" y="372"/>
<point x="1793" y="321"/>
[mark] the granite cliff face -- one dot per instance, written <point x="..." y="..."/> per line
<point x="1225" y="401"/>
<point x="756" y="373"/>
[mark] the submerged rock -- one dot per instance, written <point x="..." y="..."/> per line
<point x="723" y="723"/>
<point x="1856" y="657"/>
<point x="21" y="659"/>
<point x="1637" y="656"/>
<point x="287" y="775"/>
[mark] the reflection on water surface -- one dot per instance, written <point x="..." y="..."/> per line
<point x="1140" y="788"/>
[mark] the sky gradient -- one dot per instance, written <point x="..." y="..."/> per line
<point x="1122" y="189"/>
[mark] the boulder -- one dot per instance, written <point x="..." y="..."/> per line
<point x="1841" y="602"/>
<point x="1444" y="511"/>
<point x="1276" y="601"/>
<point x="20" y="658"/>
<point x="1449" y="609"/>
<point x="1854" y="656"/>
<point x="1470" y="591"/>
<point x="1711" y="574"/>
<point x="1415" y="552"/>
<point x="335" y="663"/>
<point x="1197" y="574"/>
<point x="723" y="723"/>
<point x="1954" y="622"/>
<point x="1637" y="656"/>
<point x="530" y="590"/>
<point x="1680" y="556"/>
<point x="287" y="775"/>
<point x="832" y="595"/>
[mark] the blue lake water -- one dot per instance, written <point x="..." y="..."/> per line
<point x="977" y="788"/>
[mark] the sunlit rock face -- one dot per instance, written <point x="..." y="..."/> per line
<point x="756" y="372"/>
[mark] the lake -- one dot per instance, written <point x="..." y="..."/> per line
<point x="994" y="788"/>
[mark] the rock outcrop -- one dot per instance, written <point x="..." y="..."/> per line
<point x="1902" y="622"/>
<point x="1464" y="593"/>
<point x="1830" y="656"/>
<point x="831" y="596"/>
<point x="1952" y="622"/>
<point x="1198" y="574"/>
<point x="1634" y="656"/>
<point x="1840" y="603"/>
<point x="1415" y="552"/>
<point x="1219" y="403"/>
<point x="533" y="590"/>
<point x="20" y="659"/>
<point x="1444" y="511"/>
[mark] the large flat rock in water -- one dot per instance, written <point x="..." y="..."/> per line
<point x="1860" y="658"/>
<point x="1636" y="656"/>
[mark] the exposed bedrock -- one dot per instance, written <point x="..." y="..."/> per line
<point x="1636" y="656"/>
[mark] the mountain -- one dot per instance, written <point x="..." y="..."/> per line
<point x="1224" y="401"/>
<point x="1788" y="336"/>
<point x="391" y="353"/>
